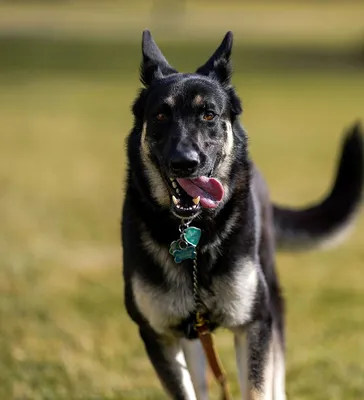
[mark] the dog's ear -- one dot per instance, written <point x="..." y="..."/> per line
<point x="236" y="108"/>
<point x="219" y="65"/>
<point x="154" y="65"/>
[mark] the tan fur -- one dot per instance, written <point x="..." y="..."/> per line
<point x="158" y="188"/>
<point x="198" y="100"/>
<point x="163" y="308"/>
<point x="171" y="101"/>
<point x="234" y="296"/>
<point x="254" y="395"/>
<point x="279" y="368"/>
<point x="225" y="166"/>
<point x="273" y="378"/>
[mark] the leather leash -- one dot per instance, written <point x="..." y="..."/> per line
<point x="205" y="336"/>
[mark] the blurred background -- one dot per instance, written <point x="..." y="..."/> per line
<point x="68" y="75"/>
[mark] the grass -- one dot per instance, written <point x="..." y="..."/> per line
<point x="64" y="102"/>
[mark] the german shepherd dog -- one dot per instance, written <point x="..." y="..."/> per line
<point x="188" y="160"/>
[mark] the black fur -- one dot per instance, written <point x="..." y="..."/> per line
<point x="240" y="232"/>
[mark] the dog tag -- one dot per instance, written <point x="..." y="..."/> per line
<point x="192" y="235"/>
<point x="184" y="254"/>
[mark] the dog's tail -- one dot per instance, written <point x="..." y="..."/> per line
<point x="325" y="224"/>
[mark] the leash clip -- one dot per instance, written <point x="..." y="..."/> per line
<point x="200" y="320"/>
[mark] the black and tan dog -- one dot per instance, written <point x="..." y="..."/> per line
<point x="188" y="159"/>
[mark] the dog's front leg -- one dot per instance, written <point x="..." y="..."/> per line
<point x="255" y="360"/>
<point x="197" y="365"/>
<point x="168" y="360"/>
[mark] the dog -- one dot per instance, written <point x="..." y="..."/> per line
<point x="189" y="164"/>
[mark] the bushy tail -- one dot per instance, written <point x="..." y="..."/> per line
<point x="324" y="224"/>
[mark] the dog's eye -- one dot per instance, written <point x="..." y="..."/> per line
<point x="208" y="116"/>
<point x="161" y="117"/>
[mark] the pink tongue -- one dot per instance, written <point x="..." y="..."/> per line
<point x="210" y="190"/>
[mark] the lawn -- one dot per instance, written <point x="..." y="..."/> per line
<point x="65" y="112"/>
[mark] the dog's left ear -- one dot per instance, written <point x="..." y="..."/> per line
<point x="219" y="65"/>
<point x="154" y="64"/>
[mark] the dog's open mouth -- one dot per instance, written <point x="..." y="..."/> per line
<point x="191" y="195"/>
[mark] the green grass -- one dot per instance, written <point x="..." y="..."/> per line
<point x="64" y="103"/>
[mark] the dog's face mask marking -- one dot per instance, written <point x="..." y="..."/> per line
<point x="187" y="126"/>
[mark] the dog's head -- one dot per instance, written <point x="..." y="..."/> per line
<point x="187" y="137"/>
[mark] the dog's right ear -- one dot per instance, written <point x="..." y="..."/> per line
<point x="154" y="65"/>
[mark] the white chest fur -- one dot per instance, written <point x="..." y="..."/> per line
<point x="231" y="300"/>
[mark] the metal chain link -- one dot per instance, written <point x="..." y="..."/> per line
<point x="185" y="223"/>
<point x="199" y="305"/>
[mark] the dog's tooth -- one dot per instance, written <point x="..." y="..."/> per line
<point x="194" y="206"/>
<point x="174" y="184"/>
<point x="196" y="200"/>
<point x="178" y="191"/>
<point x="171" y="179"/>
<point x="175" y="200"/>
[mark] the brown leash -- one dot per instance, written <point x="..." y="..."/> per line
<point x="205" y="336"/>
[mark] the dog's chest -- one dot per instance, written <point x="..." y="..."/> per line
<point x="229" y="298"/>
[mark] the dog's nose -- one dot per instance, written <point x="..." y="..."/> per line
<point x="182" y="163"/>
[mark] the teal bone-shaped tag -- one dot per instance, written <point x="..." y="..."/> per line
<point x="184" y="254"/>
